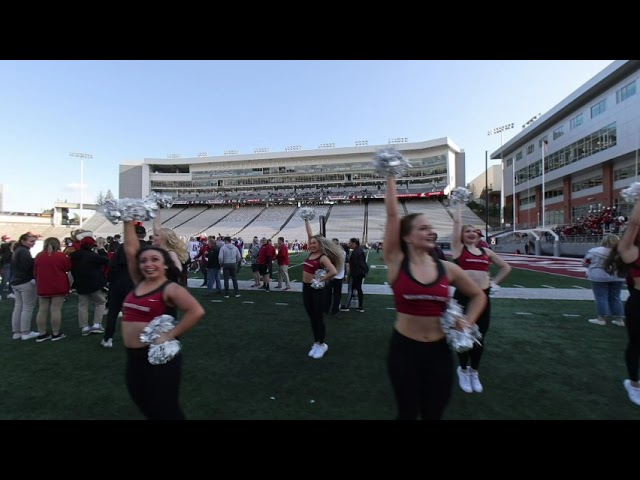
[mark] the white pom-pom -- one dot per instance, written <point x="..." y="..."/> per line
<point x="388" y="162"/>
<point x="632" y="193"/>
<point x="460" y="195"/>
<point x="307" y="213"/>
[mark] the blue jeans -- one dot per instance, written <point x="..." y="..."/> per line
<point x="213" y="274"/>
<point x="607" y="296"/>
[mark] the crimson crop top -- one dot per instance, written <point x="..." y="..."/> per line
<point x="469" y="261"/>
<point x="144" y="308"/>
<point x="310" y="266"/>
<point x="633" y="271"/>
<point x="415" y="298"/>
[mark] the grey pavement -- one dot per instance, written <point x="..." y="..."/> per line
<point x="517" y="293"/>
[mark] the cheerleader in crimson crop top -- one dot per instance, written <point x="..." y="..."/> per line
<point x="154" y="388"/>
<point x="420" y="363"/>
<point x="323" y="255"/>
<point x="475" y="261"/>
<point x="624" y="260"/>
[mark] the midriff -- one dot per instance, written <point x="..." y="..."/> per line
<point x="421" y="329"/>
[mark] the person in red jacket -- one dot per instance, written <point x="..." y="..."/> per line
<point x="283" y="264"/>
<point x="51" y="268"/>
<point x="265" y="258"/>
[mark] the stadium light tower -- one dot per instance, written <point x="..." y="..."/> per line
<point x="81" y="156"/>
<point x="501" y="130"/>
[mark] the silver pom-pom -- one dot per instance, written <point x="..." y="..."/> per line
<point x="631" y="194"/>
<point x="316" y="282"/>
<point x="459" y="340"/>
<point x="388" y="162"/>
<point x="460" y="195"/>
<point x="162" y="352"/>
<point x="307" y="213"/>
<point x="163" y="201"/>
<point x="132" y="209"/>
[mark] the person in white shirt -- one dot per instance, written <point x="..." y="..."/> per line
<point x="334" y="288"/>
<point x="606" y="287"/>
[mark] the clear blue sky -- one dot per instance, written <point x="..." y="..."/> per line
<point x="131" y="110"/>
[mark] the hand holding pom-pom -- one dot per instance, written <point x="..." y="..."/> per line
<point x="460" y="195"/>
<point x="631" y="194"/>
<point x="160" y="353"/>
<point x="162" y="200"/>
<point x="131" y="209"/>
<point x="388" y="162"/>
<point x="317" y="281"/>
<point x="307" y="213"/>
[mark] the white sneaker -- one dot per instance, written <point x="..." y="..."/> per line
<point x="312" y="352"/>
<point x="12" y="296"/>
<point x="321" y="350"/>
<point x="17" y="336"/>
<point x="597" y="321"/>
<point x="464" y="380"/>
<point x="86" y="331"/>
<point x="475" y="382"/>
<point x="634" y="392"/>
<point x="619" y="322"/>
<point x="30" y="335"/>
<point x="97" y="328"/>
<point x="107" y="343"/>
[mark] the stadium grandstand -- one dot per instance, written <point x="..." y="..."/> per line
<point x="259" y="194"/>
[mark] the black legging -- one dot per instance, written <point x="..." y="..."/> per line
<point x="421" y="375"/>
<point x="632" y="321"/>
<point x="118" y="291"/>
<point x="313" y="299"/>
<point x="355" y="284"/>
<point x="154" y="389"/>
<point x="483" y="325"/>
<point x="333" y="296"/>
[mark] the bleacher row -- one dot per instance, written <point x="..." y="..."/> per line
<point x="344" y="221"/>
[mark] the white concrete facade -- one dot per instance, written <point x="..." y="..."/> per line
<point x="593" y="141"/>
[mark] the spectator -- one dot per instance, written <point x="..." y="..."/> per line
<point x="24" y="287"/>
<point x="51" y="268"/>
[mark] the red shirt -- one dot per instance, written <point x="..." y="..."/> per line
<point x="50" y="272"/>
<point x="469" y="261"/>
<point x="415" y="298"/>
<point x="144" y="308"/>
<point x="283" y="255"/>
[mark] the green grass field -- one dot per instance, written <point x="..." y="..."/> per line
<point x="249" y="361"/>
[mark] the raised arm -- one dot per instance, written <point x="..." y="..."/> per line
<point x="392" y="248"/>
<point x="456" y="234"/>
<point x="307" y="225"/>
<point x="131" y="247"/>
<point x="627" y="247"/>
<point x="157" y="227"/>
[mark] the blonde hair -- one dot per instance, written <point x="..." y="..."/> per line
<point x="610" y="241"/>
<point x="465" y="227"/>
<point x="173" y="243"/>
<point x="331" y="250"/>
<point x="51" y="244"/>
<point x="101" y="242"/>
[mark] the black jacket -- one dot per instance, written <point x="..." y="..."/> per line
<point x="88" y="271"/>
<point x="358" y="263"/>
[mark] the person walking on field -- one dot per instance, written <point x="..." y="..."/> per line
<point x="283" y="264"/>
<point x="606" y="287"/>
